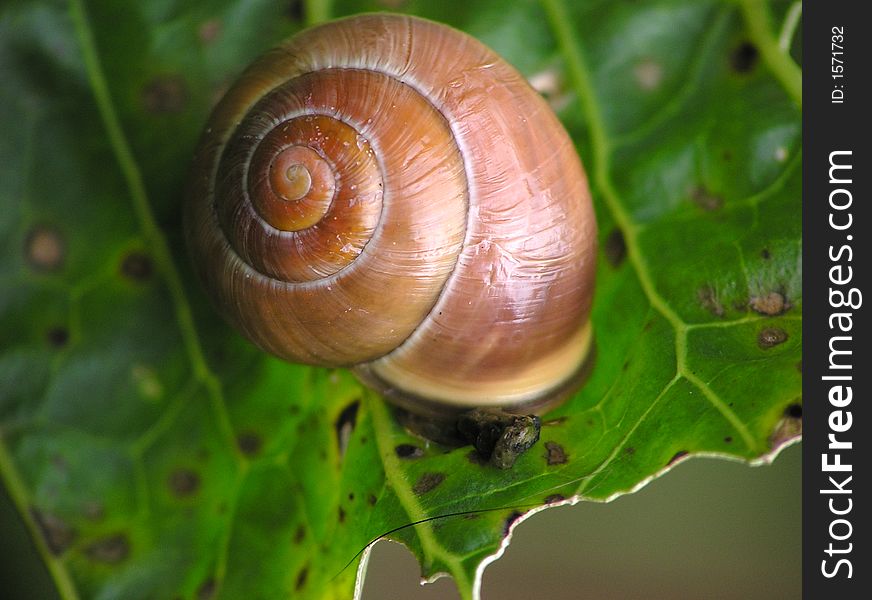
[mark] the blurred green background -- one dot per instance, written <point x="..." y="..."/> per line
<point x="708" y="529"/>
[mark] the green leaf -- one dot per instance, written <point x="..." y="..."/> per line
<point x="155" y="454"/>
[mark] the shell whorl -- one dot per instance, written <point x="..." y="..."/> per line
<point x="387" y="191"/>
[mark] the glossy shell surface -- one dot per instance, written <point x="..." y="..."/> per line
<point x="386" y="191"/>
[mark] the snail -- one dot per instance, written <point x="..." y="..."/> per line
<point x="386" y="193"/>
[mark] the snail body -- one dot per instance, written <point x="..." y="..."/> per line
<point x="387" y="193"/>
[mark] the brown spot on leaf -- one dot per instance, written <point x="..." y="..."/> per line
<point x="110" y="550"/>
<point x="427" y="482"/>
<point x="615" y="248"/>
<point x="57" y="336"/>
<point x="341" y="515"/>
<point x="207" y="589"/>
<point x="708" y="299"/>
<point x="793" y="411"/>
<point x="56" y="533"/>
<point x="408" y="451"/>
<point x="371" y="499"/>
<point x="705" y="199"/>
<point x="728" y="439"/>
<point x="299" y="534"/>
<point x="648" y="74"/>
<point x="629" y="450"/>
<point x="554" y="498"/>
<point x="184" y="482"/>
<point x="554" y="454"/>
<point x="771" y="304"/>
<point x="165" y="94"/>
<point x="137" y="266"/>
<point x="765" y="254"/>
<point x="45" y="249"/>
<point x="677" y="457"/>
<point x="94" y="511"/>
<point x="771" y="337"/>
<point x="744" y="57"/>
<point x="302" y="576"/>
<point x="249" y="443"/>
<point x="209" y="30"/>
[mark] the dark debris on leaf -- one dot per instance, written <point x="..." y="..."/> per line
<point x="497" y="436"/>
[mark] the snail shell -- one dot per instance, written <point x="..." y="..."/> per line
<point x="387" y="192"/>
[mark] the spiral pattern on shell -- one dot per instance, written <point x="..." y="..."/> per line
<point x="386" y="191"/>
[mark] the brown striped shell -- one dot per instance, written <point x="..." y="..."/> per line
<point x="386" y="192"/>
